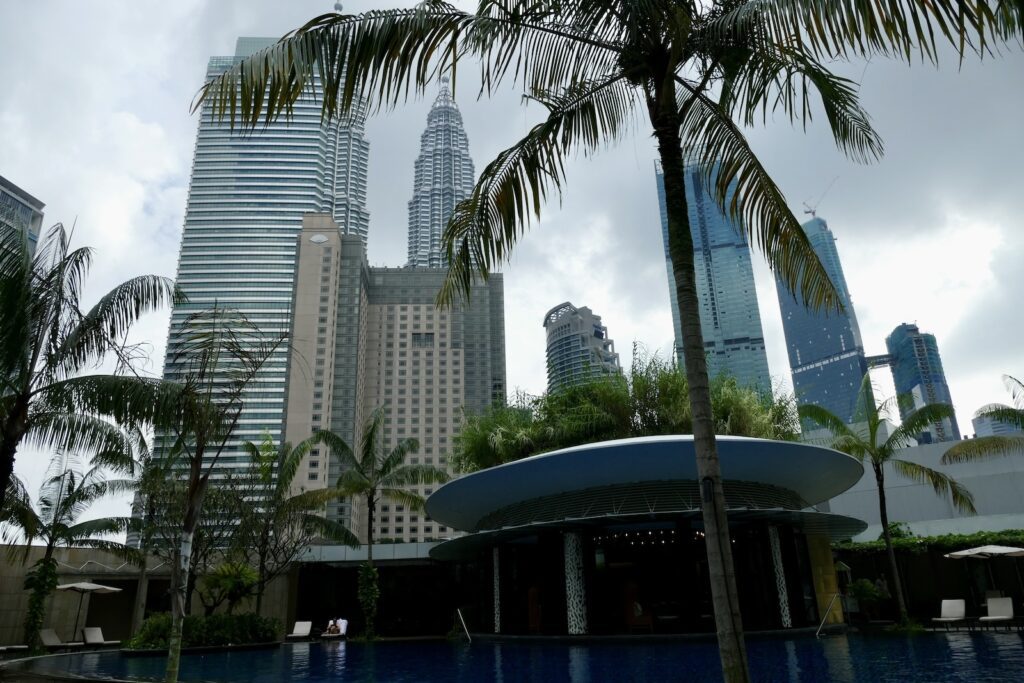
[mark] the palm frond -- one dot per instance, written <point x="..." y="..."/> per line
<point x="982" y="448"/>
<point x="846" y="28"/>
<point x="750" y="197"/>
<point x="330" y="530"/>
<point x="353" y="482"/>
<point x="915" y="423"/>
<point x="396" y="457"/>
<point x="512" y="188"/>
<point x="411" y="500"/>
<point x="1016" y="389"/>
<point x="413" y="475"/>
<point x="940" y="483"/>
<point x="339" y="449"/>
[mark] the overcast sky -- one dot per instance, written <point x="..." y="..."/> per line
<point x="94" y="121"/>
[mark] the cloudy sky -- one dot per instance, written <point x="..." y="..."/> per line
<point x="94" y="120"/>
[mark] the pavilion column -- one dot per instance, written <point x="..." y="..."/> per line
<point x="780" y="577"/>
<point x="496" y="559"/>
<point x="575" y="589"/>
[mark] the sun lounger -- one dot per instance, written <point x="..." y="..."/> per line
<point x="52" y="642"/>
<point x="952" y="612"/>
<point x="10" y="649"/>
<point x="94" y="636"/>
<point x="1000" y="611"/>
<point x="342" y="631"/>
<point x="301" y="630"/>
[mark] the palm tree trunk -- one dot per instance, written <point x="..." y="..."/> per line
<point x="141" y="593"/>
<point x="13" y="430"/>
<point x="725" y="597"/>
<point x="179" y="594"/>
<point x="883" y="515"/>
<point x="371" y="505"/>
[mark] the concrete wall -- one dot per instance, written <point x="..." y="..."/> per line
<point x="997" y="485"/>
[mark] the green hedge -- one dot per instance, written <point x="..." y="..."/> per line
<point x="202" y="631"/>
<point x="944" y="544"/>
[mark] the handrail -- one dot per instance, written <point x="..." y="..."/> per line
<point x="828" y="611"/>
<point x="108" y="568"/>
<point x="459" y="612"/>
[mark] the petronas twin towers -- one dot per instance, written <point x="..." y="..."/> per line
<point x="444" y="177"/>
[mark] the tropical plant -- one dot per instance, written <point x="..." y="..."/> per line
<point x="651" y="399"/>
<point x="1000" y="445"/>
<point x="48" y="345"/>
<point x="219" y="363"/>
<point x="281" y="519"/>
<point x="870" y="441"/>
<point x="206" y="631"/>
<point x="65" y="495"/>
<point x="590" y="63"/>
<point x="376" y="474"/>
<point x="230" y="582"/>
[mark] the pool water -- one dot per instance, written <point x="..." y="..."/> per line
<point x="951" y="656"/>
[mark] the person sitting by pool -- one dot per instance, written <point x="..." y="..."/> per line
<point x="332" y="628"/>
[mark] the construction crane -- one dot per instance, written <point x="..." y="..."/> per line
<point x="812" y="209"/>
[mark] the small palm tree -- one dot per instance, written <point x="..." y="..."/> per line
<point x="48" y="345"/>
<point x="64" y="497"/>
<point x="378" y="474"/>
<point x="868" y="442"/>
<point x="993" y="446"/>
<point x="279" y="521"/>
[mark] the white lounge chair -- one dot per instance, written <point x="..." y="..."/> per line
<point x="94" y="636"/>
<point x="52" y="642"/>
<point x="952" y="612"/>
<point x="342" y="631"/>
<point x="1000" y="611"/>
<point x="301" y="630"/>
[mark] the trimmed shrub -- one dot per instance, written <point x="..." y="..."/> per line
<point x="203" y="631"/>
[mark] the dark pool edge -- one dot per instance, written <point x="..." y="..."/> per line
<point x="831" y="629"/>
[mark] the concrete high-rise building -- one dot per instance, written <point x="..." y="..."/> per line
<point x="444" y="177"/>
<point x="826" y="354"/>
<point x="917" y="372"/>
<point x="366" y="338"/>
<point x="21" y="211"/>
<point x="578" y="346"/>
<point x="247" y="197"/>
<point x="729" y="315"/>
<point x="989" y="426"/>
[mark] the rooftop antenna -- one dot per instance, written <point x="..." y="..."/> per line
<point x="337" y="7"/>
<point x="812" y="209"/>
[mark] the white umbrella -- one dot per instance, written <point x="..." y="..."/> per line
<point x="986" y="551"/>
<point x="82" y="588"/>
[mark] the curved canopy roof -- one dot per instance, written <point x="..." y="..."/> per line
<point x="812" y="473"/>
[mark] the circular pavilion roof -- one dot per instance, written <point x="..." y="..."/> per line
<point x="804" y="474"/>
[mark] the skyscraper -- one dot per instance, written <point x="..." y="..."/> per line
<point x="917" y="372"/>
<point x="578" y="346"/>
<point x="729" y="315"/>
<point x="444" y="177"/>
<point x="247" y="196"/>
<point x="990" y="426"/>
<point x="826" y="354"/>
<point x="21" y="211"/>
<point x="371" y="338"/>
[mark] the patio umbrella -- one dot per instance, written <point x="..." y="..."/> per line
<point x="82" y="588"/>
<point x="986" y="552"/>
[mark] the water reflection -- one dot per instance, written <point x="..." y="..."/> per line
<point x="579" y="664"/>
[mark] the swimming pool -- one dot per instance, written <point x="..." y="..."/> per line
<point x="844" y="659"/>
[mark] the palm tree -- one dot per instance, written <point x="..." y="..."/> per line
<point x="590" y="63"/>
<point x="48" y="344"/>
<point x="990" y="446"/>
<point x="378" y="474"/>
<point x="65" y="495"/>
<point x="278" y="522"/>
<point x="220" y="361"/>
<point x="870" y="442"/>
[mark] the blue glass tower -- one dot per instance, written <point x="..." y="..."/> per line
<point x="917" y="372"/>
<point x="826" y="354"/>
<point x="729" y="315"/>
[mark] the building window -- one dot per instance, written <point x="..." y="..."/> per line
<point x="313" y="476"/>
<point x="422" y="340"/>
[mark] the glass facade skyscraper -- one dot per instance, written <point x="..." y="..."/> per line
<point x="917" y="373"/>
<point x="578" y="346"/>
<point x="247" y="196"/>
<point x="826" y="353"/>
<point x="21" y="211"/>
<point x="729" y="315"/>
<point x="444" y="177"/>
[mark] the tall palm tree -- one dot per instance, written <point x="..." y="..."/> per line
<point x="699" y="70"/>
<point x="279" y="520"/>
<point x="48" y="346"/>
<point x="377" y="474"/>
<point x="992" y="446"/>
<point x="870" y="441"/>
<point x="66" y="493"/>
